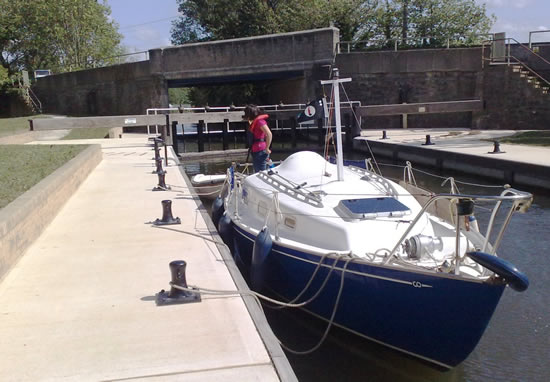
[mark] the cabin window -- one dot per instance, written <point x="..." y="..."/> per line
<point x="290" y="222"/>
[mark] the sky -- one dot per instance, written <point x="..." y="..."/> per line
<point x="145" y="24"/>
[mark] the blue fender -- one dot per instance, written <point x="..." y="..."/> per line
<point x="225" y="229"/>
<point x="262" y="248"/>
<point x="217" y="210"/>
<point x="517" y="280"/>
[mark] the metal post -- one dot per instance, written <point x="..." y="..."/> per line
<point x="293" y="132"/>
<point x="347" y="129"/>
<point x="165" y="130"/>
<point x="225" y="127"/>
<point x="175" y="136"/>
<point x="200" y="128"/>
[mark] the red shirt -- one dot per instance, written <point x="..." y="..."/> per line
<point x="258" y="133"/>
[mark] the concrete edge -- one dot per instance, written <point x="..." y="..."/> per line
<point x="276" y="353"/>
<point x="500" y="169"/>
<point x="23" y="220"/>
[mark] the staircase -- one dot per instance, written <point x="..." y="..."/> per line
<point x="32" y="100"/>
<point x="531" y="78"/>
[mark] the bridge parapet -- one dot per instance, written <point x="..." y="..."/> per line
<point x="286" y="52"/>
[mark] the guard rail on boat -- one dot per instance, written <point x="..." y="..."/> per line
<point x="521" y="201"/>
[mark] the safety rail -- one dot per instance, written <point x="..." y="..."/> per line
<point x="521" y="201"/>
<point x="290" y="188"/>
<point x="382" y="43"/>
<point x="533" y="32"/>
<point x="511" y="59"/>
<point x="297" y="107"/>
<point x="34" y="99"/>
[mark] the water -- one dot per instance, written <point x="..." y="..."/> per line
<point x="515" y="346"/>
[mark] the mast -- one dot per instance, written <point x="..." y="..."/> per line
<point x="339" y="152"/>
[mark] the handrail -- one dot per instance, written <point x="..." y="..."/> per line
<point x="397" y="41"/>
<point x="531" y="70"/>
<point x="34" y="99"/>
<point x="509" y="194"/>
<point x="533" y="32"/>
<point x="509" y="56"/>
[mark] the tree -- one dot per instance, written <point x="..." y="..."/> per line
<point x="432" y="22"/>
<point x="59" y="35"/>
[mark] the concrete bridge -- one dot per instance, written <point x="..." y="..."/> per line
<point x="292" y="62"/>
<point x="292" y="65"/>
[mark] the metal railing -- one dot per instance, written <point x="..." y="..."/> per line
<point x="37" y="105"/>
<point x="510" y="59"/>
<point x="206" y="109"/>
<point x="396" y="43"/>
<point x="533" y="32"/>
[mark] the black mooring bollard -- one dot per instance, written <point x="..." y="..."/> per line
<point x="176" y="295"/>
<point x="496" y="148"/>
<point x="167" y="217"/>
<point x="162" y="183"/>
<point x="384" y="135"/>
<point x="159" y="169"/>
<point x="428" y="141"/>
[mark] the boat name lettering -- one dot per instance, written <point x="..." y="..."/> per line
<point x="417" y="284"/>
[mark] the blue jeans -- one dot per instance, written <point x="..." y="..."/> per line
<point x="259" y="160"/>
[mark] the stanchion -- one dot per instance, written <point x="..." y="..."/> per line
<point x="384" y="135"/>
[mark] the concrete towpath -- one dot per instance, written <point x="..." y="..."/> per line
<point x="465" y="141"/>
<point x="80" y="304"/>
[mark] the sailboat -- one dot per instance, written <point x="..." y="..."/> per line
<point x="385" y="260"/>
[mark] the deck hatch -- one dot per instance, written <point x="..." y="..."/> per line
<point x="370" y="208"/>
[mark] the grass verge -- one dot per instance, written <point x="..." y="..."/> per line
<point x="11" y="126"/>
<point x="23" y="166"/>
<point x="537" y="138"/>
<point x="88" y="133"/>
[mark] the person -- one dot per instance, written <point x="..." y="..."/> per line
<point x="261" y="136"/>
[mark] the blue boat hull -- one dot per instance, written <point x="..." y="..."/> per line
<point x="437" y="318"/>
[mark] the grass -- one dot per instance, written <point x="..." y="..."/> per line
<point x="88" y="133"/>
<point x="537" y="138"/>
<point x="23" y="166"/>
<point x="11" y="126"/>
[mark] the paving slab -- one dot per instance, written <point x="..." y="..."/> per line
<point x="79" y="305"/>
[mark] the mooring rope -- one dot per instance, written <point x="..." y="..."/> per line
<point x="259" y="296"/>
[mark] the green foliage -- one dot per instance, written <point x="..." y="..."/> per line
<point x="408" y="20"/>
<point x="429" y="23"/>
<point x="536" y="138"/>
<point x="59" y="35"/>
<point x="4" y="77"/>
<point x="23" y="166"/>
<point x="178" y="96"/>
<point x="11" y="126"/>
